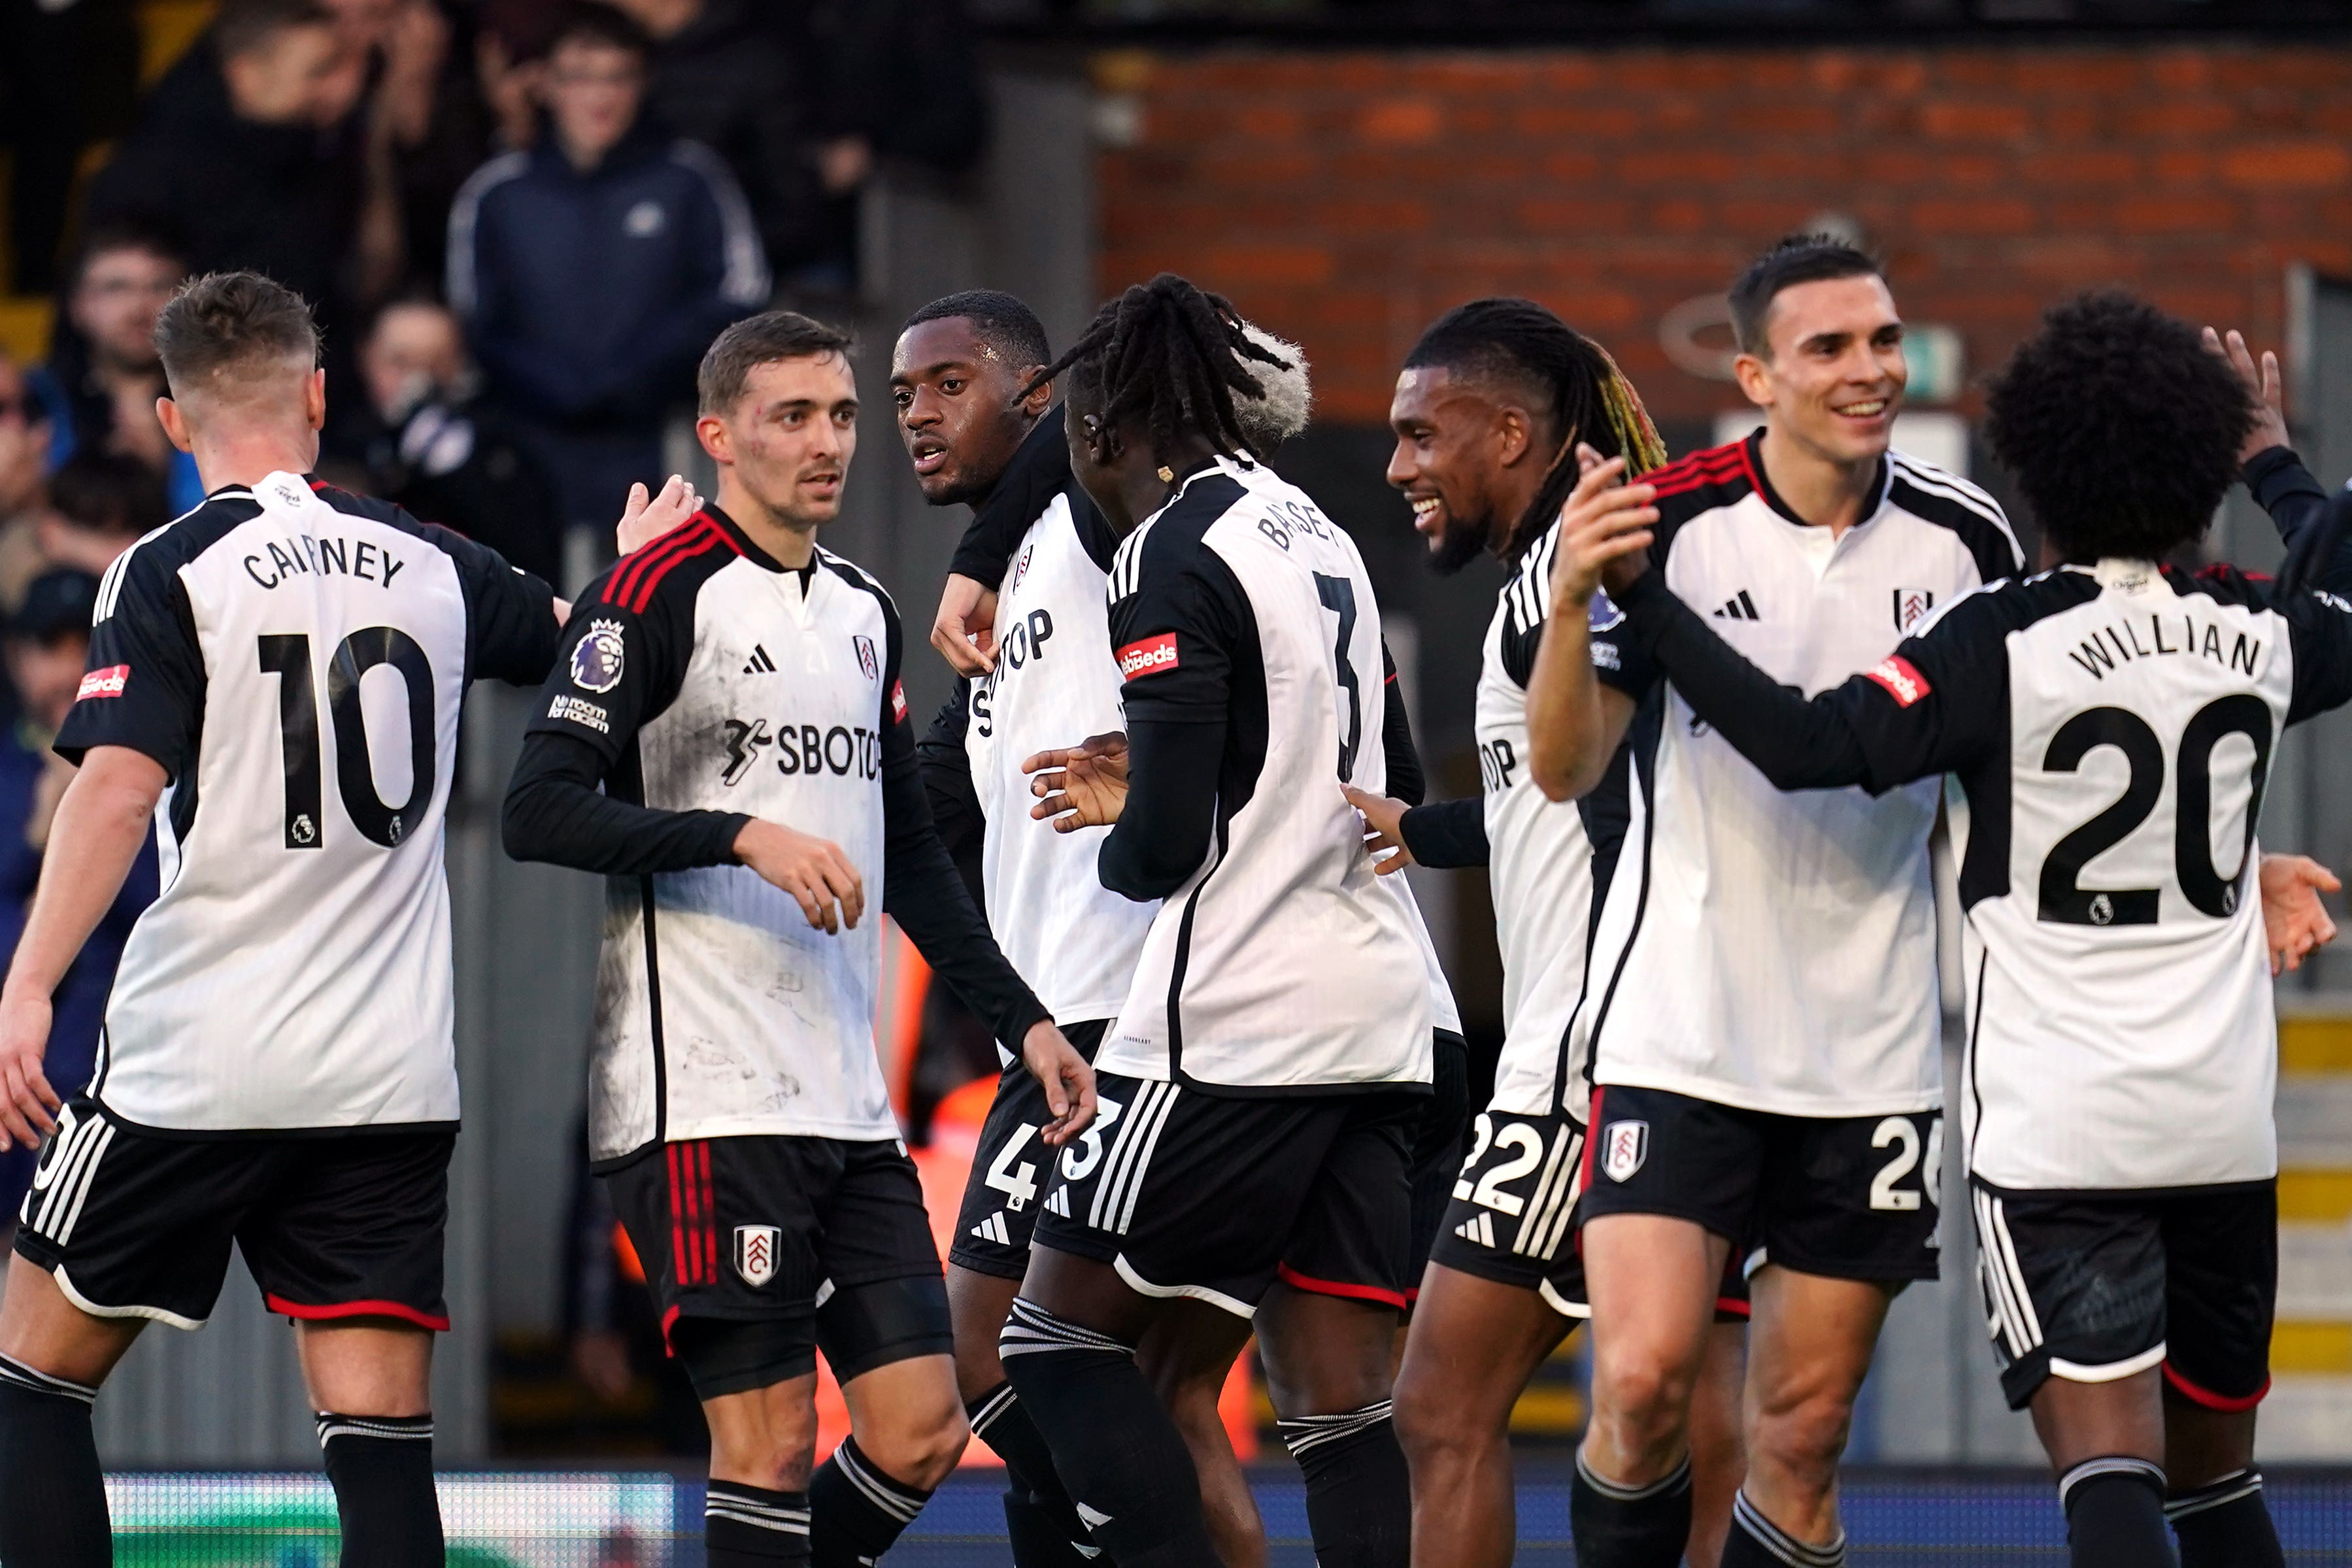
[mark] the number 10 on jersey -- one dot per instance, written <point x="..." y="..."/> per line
<point x="287" y="657"/>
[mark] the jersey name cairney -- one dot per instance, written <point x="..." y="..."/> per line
<point x="308" y="555"/>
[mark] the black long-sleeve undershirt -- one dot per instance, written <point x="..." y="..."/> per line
<point x="2297" y="504"/>
<point x="555" y="811"/>
<point x="1446" y="834"/>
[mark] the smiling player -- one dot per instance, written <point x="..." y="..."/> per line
<point x="1763" y="1012"/>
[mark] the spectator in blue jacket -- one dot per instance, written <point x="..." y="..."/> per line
<point x="592" y="271"/>
<point x="47" y="642"/>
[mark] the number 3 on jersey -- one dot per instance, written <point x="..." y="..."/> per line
<point x="288" y="658"/>
<point x="1339" y="596"/>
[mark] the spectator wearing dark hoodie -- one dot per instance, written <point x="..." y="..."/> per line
<point x="247" y="151"/>
<point x="592" y="271"/>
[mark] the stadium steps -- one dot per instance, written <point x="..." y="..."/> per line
<point x="2309" y="1412"/>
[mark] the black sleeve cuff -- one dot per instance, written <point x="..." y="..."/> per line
<point x="2276" y="472"/>
<point x="1445" y="834"/>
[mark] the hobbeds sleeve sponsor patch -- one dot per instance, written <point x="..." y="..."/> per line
<point x="1901" y="679"/>
<point x="106" y="683"/>
<point x="1147" y="657"/>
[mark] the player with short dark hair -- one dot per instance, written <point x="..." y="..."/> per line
<point x="1761" y="1020"/>
<point x="253" y="1087"/>
<point x="1272" y="1062"/>
<point x="2107" y="726"/>
<point x="1492" y="408"/>
<point x="727" y="741"/>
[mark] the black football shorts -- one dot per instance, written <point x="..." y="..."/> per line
<point x="1849" y="1197"/>
<point x="760" y="1250"/>
<point x="2096" y="1286"/>
<point x="136" y="1224"/>
<point x="1437" y="1144"/>
<point x="1215" y="1197"/>
<point x="1514" y="1214"/>
<point x="1010" y="1169"/>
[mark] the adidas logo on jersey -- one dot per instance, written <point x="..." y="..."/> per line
<point x="760" y="664"/>
<point x="1479" y="1228"/>
<point x="992" y="1229"/>
<point x="1058" y="1202"/>
<point x="1738" y="607"/>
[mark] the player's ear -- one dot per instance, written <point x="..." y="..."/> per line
<point x="174" y="423"/>
<point x="1755" y="380"/>
<point x="314" y="399"/>
<point x="711" y="431"/>
<point x="1513" y="436"/>
<point x="1041" y="396"/>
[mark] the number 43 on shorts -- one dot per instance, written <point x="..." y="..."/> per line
<point x="1901" y="1135"/>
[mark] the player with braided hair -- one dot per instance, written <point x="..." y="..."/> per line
<point x="1498" y="407"/>
<point x="1269" y="1070"/>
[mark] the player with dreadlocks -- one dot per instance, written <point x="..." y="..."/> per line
<point x="1271" y="1060"/>
<point x="1498" y="407"/>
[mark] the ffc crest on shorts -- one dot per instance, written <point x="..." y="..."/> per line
<point x="756" y="1247"/>
<point x="1627" y="1145"/>
<point x="865" y="659"/>
<point x="596" y="658"/>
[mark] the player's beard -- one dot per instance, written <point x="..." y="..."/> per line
<point x="1460" y="543"/>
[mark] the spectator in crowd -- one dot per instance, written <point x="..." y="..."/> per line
<point x="46" y="642"/>
<point x="442" y="453"/>
<point x="101" y="503"/>
<point x="592" y="271"/>
<point x="25" y="433"/>
<point x="247" y="152"/>
<point x="727" y="74"/>
<point x="102" y="380"/>
<point x="68" y="80"/>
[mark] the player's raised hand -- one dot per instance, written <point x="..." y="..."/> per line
<point x="2295" y="922"/>
<point x="2263" y="386"/>
<point x="813" y="869"/>
<point x="647" y="518"/>
<point x="1604" y="527"/>
<point x="1067" y="1078"/>
<point x="25" y="1098"/>
<point x="1083" y="786"/>
<point x="964" y="631"/>
<point x="1384" y="828"/>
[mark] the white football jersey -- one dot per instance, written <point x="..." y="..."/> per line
<point x="1281" y="963"/>
<point x="720" y="682"/>
<point x="1540" y="855"/>
<point x="2110" y="731"/>
<point x="1777" y="951"/>
<point x="294" y="657"/>
<point x="1055" y="684"/>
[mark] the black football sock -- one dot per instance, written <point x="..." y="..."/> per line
<point x="52" y="1494"/>
<point x="1039" y="1541"/>
<point x="1116" y="1451"/>
<point x="2226" y="1524"/>
<point x="382" y="1471"/>
<point x="744" y="1526"/>
<point x="1629" y="1527"/>
<point x="1030" y="1485"/>
<point x="1359" y="1493"/>
<point x="1755" y="1542"/>
<point x="856" y="1510"/>
<point x="2114" y="1514"/>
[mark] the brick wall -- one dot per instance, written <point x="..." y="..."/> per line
<point x="1345" y="199"/>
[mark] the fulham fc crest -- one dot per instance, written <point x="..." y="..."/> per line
<point x="1628" y="1145"/>
<point x="866" y="659"/>
<point x="1911" y="606"/>
<point x="755" y="1254"/>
